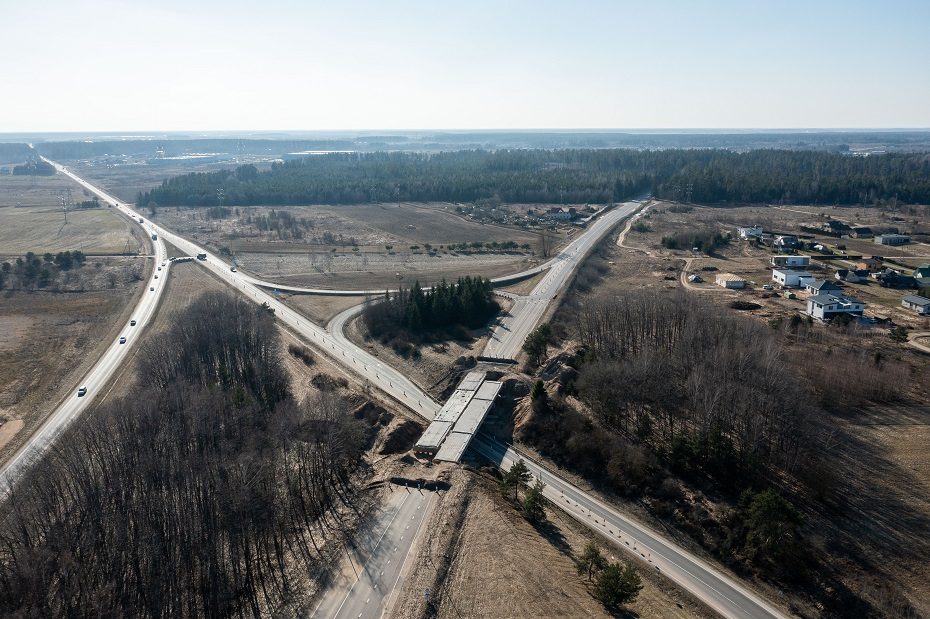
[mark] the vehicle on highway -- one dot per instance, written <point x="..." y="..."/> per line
<point x="156" y="277"/>
<point x="159" y="268"/>
<point x="152" y="289"/>
<point x="154" y="237"/>
<point x="132" y="323"/>
<point x="82" y="392"/>
<point x="201" y="256"/>
<point x="171" y="259"/>
<point x="233" y="269"/>
<point x="122" y="339"/>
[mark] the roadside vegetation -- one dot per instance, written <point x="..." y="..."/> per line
<point x="413" y="316"/>
<point x="208" y="491"/>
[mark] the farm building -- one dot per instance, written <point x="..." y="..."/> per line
<point x="790" y="278"/>
<point x="728" y="280"/>
<point x="892" y="239"/>
<point x="826" y="306"/>
<point x="916" y="303"/>
<point x="791" y="261"/>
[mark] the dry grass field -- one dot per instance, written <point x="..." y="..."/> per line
<point x="48" y="340"/>
<point x="31" y="219"/>
<point x="487" y="561"/>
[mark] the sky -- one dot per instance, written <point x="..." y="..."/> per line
<point x="169" y="65"/>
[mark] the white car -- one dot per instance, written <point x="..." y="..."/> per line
<point x="82" y="392"/>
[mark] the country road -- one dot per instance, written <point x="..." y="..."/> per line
<point x="705" y="582"/>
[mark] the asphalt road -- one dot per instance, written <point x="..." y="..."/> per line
<point x="705" y="582"/>
<point x="95" y="379"/>
<point x="381" y="561"/>
<point x="691" y="573"/>
<point x="508" y="336"/>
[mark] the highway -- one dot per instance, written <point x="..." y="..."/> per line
<point x="385" y="555"/>
<point x="705" y="582"/>
<point x="508" y="336"/>
<point x="95" y="379"/>
<point x="691" y="573"/>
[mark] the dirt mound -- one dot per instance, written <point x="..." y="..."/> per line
<point x="400" y="438"/>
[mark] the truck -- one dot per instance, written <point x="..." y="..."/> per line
<point x="201" y="256"/>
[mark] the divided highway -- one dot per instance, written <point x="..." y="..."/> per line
<point x="96" y="378"/>
<point x="705" y="582"/>
<point x="508" y="336"/>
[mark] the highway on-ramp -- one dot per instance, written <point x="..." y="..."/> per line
<point x="705" y="582"/>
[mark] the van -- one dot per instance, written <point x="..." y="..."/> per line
<point x="82" y="392"/>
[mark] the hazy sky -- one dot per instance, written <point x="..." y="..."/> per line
<point x="299" y="64"/>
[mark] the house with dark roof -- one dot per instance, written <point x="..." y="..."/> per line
<point x="823" y="286"/>
<point x="861" y="232"/>
<point x="922" y="271"/>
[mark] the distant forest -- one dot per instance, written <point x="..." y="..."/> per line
<point x="37" y="168"/>
<point x="560" y="177"/>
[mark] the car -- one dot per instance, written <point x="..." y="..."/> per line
<point x="171" y="259"/>
<point x="159" y="268"/>
<point x="152" y="289"/>
<point x="132" y="323"/>
<point x="122" y="340"/>
<point x="156" y="277"/>
<point x="233" y="269"/>
<point x="768" y="287"/>
<point x="82" y="392"/>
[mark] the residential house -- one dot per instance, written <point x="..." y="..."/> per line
<point x="791" y="261"/>
<point x="834" y="227"/>
<point x="922" y="271"/>
<point x="823" y="286"/>
<point x="791" y="279"/>
<point x="861" y="232"/>
<point x="892" y="279"/>
<point x="916" y="303"/>
<point x="892" y="239"/>
<point x="851" y="276"/>
<point x="749" y="232"/>
<point x="787" y="241"/>
<point x="870" y="264"/>
<point x="827" y="306"/>
<point x="728" y="280"/>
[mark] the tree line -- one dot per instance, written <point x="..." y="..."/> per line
<point x="32" y="271"/>
<point x="559" y="176"/>
<point x="206" y="491"/>
<point x="34" y="168"/>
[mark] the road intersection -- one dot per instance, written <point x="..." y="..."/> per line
<point x="704" y="581"/>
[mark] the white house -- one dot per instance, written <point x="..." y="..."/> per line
<point x="916" y="303"/>
<point x="749" y="232"/>
<point x="790" y="278"/>
<point x="791" y="261"/>
<point x="892" y="239"/>
<point x="826" y="306"/>
<point x="728" y="280"/>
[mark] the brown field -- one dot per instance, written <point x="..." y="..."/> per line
<point x="31" y="219"/>
<point x="480" y="558"/>
<point x="320" y="309"/>
<point x="48" y="342"/>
